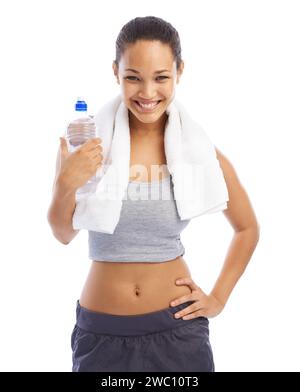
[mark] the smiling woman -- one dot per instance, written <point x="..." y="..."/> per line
<point x="124" y="317"/>
<point x="154" y="56"/>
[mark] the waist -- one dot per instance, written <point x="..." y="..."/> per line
<point x="133" y="288"/>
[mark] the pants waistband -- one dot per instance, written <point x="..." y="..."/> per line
<point x="131" y="325"/>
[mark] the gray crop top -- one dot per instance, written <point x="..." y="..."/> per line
<point x="148" y="229"/>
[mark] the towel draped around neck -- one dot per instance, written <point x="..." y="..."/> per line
<point x="198" y="180"/>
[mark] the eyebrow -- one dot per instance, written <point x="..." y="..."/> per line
<point x="133" y="70"/>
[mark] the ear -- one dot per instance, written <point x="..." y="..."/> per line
<point x="180" y="70"/>
<point x="116" y="71"/>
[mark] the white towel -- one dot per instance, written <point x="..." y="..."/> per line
<point x="199" y="184"/>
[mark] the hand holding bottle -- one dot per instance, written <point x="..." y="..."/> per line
<point x="77" y="167"/>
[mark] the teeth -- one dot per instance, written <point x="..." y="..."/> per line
<point x="148" y="105"/>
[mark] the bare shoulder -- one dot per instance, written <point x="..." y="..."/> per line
<point x="239" y="212"/>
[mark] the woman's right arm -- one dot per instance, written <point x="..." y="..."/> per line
<point x="72" y="172"/>
<point x="61" y="209"/>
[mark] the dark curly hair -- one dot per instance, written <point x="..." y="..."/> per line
<point x="148" y="28"/>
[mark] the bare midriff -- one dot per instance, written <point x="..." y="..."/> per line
<point x="128" y="288"/>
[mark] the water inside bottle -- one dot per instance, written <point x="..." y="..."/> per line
<point x="79" y="131"/>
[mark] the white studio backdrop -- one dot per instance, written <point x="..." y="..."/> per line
<point x="241" y="82"/>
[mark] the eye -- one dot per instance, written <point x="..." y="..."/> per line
<point x="134" y="77"/>
<point x="130" y="77"/>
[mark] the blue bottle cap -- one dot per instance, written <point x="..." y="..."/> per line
<point x="80" y="105"/>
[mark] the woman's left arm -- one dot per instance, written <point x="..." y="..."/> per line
<point x="242" y="218"/>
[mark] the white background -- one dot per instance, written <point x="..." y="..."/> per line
<point x="241" y="82"/>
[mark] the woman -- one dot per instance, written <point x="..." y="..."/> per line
<point x="134" y="314"/>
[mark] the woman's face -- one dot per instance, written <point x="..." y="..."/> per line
<point x="147" y="73"/>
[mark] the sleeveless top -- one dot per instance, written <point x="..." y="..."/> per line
<point x="148" y="229"/>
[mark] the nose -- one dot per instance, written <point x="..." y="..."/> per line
<point x="147" y="91"/>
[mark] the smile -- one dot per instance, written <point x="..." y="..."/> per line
<point x="146" y="107"/>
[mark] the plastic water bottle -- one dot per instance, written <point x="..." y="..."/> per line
<point x="79" y="130"/>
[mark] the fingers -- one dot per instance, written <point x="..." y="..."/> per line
<point x="187" y="310"/>
<point x="182" y="300"/>
<point x="97" y="159"/>
<point x="198" y="313"/>
<point x="96" y="153"/>
<point x="92" y="144"/>
<point x="187" y="281"/>
<point x="98" y="163"/>
<point x="63" y="145"/>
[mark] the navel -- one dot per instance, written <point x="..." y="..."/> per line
<point x="137" y="290"/>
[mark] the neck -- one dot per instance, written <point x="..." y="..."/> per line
<point x="140" y="129"/>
